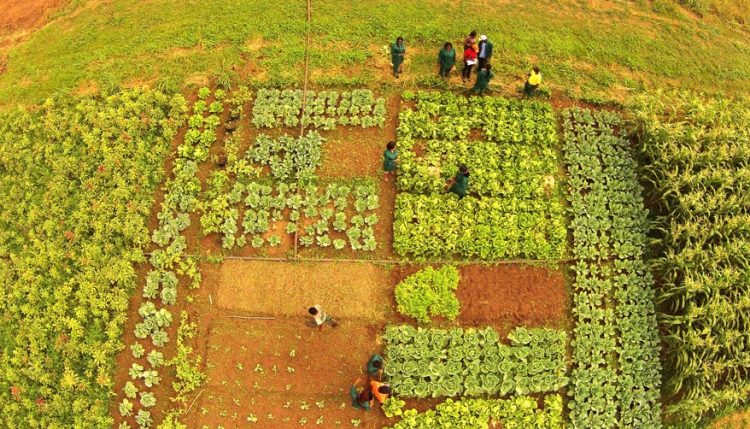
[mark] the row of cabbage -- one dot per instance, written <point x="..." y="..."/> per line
<point x="513" y="208"/>
<point x="520" y="412"/>
<point x="616" y="373"/>
<point x="77" y="179"/>
<point x="432" y="362"/>
<point x="325" y="110"/>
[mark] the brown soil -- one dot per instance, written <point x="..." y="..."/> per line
<point x="345" y="289"/>
<point x="505" y="296"/>
<point x="284" y="373"/>
<point x="26" y="14"/>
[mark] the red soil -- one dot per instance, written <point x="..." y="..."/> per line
<point x="26" y="14"/>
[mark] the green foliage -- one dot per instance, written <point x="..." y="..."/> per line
<point x="442" y="225"/>
<point x="290" y="159"/>
<point x="694" y="152"/>
<point x="616" y="348"/>
<point x="437" y="362"/>
<point x="323" y="110"/>
<point x="186" y="364"/>
<point x="429" y="292"/>
<point x="513" y="208"/>
<point x="79" y="177"/>
<point x="520" y="412"/>
<point x="393" y="407"/>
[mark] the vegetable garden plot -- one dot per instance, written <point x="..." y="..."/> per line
<point x="513" y="208"/>
<point x="324" y="110"/>
<point x="160" y="292"/>
<point x="77" y="179"/>
<point x="695" y="157"/>
<point x="520" y="412"/>
<point x="613" y="305"/>
<point x="437" y="362"/>
<point x="274" y="184"/>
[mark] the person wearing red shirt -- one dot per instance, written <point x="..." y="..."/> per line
<point x="470" y="58"/>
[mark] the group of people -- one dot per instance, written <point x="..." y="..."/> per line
<point x="475" y="52"/>
<point x="458" y="185"/>
<point x="378" y="390"/>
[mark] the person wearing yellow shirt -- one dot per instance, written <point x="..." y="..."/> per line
<point x="532" y="83"/>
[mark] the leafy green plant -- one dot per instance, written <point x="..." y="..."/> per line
<point x="437" y="362"/>
<point x="429" y="292"/>
<point x="609" y="239"/>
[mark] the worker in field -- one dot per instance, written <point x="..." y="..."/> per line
<point x="363" y="399"/>
<point x="483" y="79"/>
<point x="460" y="183"/>
<point x="470" y="40"/>
<point x="398" y="51"/>
<point x="375" y="366"/>
<point x="470" y="58"/>
<point x="446" y="60"/>
<point x="380" y="390"/>
<point x="390" y="156"/>
<point x="533" y="82"/>
<point x="485" y="52"/>
<point x="320" y="317"/>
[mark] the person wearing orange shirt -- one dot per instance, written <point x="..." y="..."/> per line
<point x="380" y="390"/>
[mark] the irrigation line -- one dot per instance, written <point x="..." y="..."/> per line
<point x="391" y="261"/>
<point x="306" y="78"/>
<point x="193" y="403"/>
<point x="252" y="317"/>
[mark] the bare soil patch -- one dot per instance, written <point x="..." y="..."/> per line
<point x="506" y="296"/>
<point x="27" y="14"/>
<point x="284" y="374"/>
<point x="346" y="290"/>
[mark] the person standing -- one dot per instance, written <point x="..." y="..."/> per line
<point x="446" y="60"/>
<point x="533" y="82"/>
<point x="460" y="183"/>
<point x="483" y="79"/>
<point x="485" y="52"/>
<point x="470" y="40"/>
<point x="390" y="156"/>
<point x="470" y="58"/>
<point x="398" y="51"/>
<point x="320" y="317"/>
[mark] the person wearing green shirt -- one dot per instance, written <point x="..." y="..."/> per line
<point x="375" y="366"/>
<point x="446" y="60"/>
<point x="389" y="159"/>
<point x="483" y="79"/>
<point x="398" y="50"/>
<point x="460" y="184"/>
<point x="485" y="51"/>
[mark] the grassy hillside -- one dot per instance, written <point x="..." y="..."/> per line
<point x="587" y="49"/>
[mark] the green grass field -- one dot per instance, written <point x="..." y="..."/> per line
<point x="589" y="50"/>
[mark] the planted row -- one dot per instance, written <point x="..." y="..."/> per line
<point x="695" y="170"/>
<point x="323" y="110"/>
<point x="613" y="307"/>
<point x="441" y="225"/>
<point x="520" y="412"/>
<point x="438" y="362"/>
<point x="260" y="213"/>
